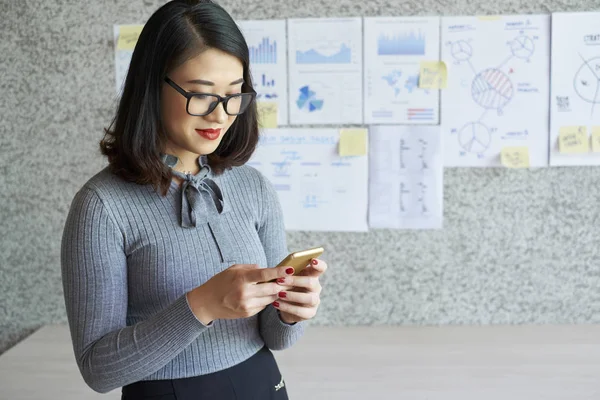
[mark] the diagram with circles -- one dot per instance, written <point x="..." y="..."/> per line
<point x="491" y="89"/>
<point x="587" y="82"/>
<point x="575" y="86"/>
<point x="496" y="71"/>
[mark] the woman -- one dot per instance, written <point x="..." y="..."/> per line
<point x="165" y="251"/>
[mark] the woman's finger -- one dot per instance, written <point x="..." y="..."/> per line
<point x="309" y="283"/>
<point x="265" y="289"/>
<point x="318" y="265"/>
<point x="296" y="310"/>
<point x="307" y="299"/>
<point x="315" y="268"/>
<point x="260" y="302"/>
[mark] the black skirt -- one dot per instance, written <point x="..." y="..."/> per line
<point x="257" y="378"/>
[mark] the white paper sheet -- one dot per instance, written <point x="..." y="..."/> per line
<point x="575" y="93"/>
<point x="498" y="88"/>
<point x="394" y="48"/>
<point x="318" y="190"/>
<point x="122" y="61"/>
<point x="406" y="177"/>
<point x="267" y="45"/>
<point x="325" y="71"/>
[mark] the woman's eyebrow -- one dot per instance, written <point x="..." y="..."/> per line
<point x="209" y="83"/>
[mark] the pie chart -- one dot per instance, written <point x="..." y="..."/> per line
<point x="522" y="47"/>
<point x="492" y="89"/>
<point x="587" y="81"/>
<point x="474" y="137"/>
<point x="461" y="50"/>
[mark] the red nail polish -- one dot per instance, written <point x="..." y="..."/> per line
<point x="281" y="280"/>
<point x="289" y="271"/>
<point x="314" y="261"/>
<point x="283" y="295"/>
<point x="276" y="304"/>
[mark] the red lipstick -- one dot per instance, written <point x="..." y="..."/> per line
<point x="210" y="134"/>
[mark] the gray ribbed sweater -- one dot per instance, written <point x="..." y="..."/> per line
<point x="128" y="258"/>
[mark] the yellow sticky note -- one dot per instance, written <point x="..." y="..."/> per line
<point x="353" y="142"/>
<point x="573" y="140"/>
<point x="515" y="157"/>
<point x="433" y="75"/>
<point x="596" y="139"/>
<point x="128" y="36"/>
<point x="267" y="114"/>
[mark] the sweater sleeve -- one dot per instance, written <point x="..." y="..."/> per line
<point x="110" y="354"/>
<point x="276" y="334"/>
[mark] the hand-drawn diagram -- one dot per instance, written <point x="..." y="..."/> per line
<point x="491" y="89"/>
<point x="496" y="87"/>
<point x="575" y="86"/>
<point x="587" y="81"/>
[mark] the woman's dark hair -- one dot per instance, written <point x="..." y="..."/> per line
<point x="176" y="32"/>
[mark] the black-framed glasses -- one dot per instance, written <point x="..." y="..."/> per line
<point x="200" y="104"/>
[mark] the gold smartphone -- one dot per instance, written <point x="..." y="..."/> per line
<point x="300" y="259"/>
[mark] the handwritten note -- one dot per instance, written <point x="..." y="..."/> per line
<point x="353" y="142"/>
<point x="128" y="36"/>
<point x="573" y="140"/>
<point x="515" y="157"/>
<point x="433" y="75"/>
<point x="267" y="114"/>
<point x="596" y="139"/>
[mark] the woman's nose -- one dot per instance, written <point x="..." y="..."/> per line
<point x="218" y="114"/>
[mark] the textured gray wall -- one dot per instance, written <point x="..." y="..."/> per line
<point x="517" y="247"/>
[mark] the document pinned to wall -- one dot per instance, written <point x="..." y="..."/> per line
<point x="406" y="177"/>
<point x="498" y="87"/>
<point x="395" y="47"/>
<point x="319" y="190"/>
<point x="125" y="37"/>
<point x="267" y="46"/>
<point x="325" y="71"/>
<point x="575" y="89"/>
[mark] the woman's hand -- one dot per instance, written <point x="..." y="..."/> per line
<point x="240" y="291"/>
<point x="302" y="301"/>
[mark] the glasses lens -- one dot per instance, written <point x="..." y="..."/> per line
<point x="239" y="103"/>
<point x="201" y="103"/>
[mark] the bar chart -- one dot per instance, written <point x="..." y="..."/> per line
<point x="264" y="53"/>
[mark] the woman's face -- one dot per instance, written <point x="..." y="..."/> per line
<point x="212" y="71"/>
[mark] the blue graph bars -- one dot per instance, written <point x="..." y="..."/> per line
<point x="267" y="82"/>
<point x="264" y="53"/>
<point x="405" y="44"/>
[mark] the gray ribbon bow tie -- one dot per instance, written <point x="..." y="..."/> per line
<point x="194" y="207"/>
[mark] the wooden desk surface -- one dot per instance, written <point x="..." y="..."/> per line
<point x="433" y="363"/>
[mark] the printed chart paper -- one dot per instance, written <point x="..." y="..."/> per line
<point x="325" y="71"/>
<point x="268" y="62"/>
<point x="318" y="189"/>
<point x="395" y="47"/>
<point x="125" y="37"/>
<point x="406" y="182"/>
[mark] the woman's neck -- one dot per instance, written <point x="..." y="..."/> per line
<point x="187" y="165"/>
